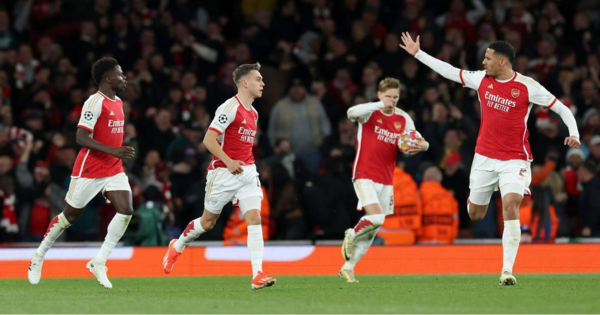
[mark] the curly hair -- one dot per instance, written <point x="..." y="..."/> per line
<point x="101" y="67"/>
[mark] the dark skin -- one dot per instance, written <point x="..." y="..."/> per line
<point x="112" y="82"/>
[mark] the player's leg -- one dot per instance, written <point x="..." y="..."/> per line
<point x="357" y="240"/>
<point x="250" y="207"/>
<point x="81" y="191"/>
<point x="118" y="192"/>
<point x="515" y="177"/>
<point x="483" y="180"/>
<point x="250" y="199"/>
<point x="220" y="188"/>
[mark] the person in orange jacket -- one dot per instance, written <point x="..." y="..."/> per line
<point x="407" y="204"/>
<point x="440" y="210"/>
<point x="236" y="230"/>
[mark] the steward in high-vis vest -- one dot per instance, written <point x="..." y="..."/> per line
<point x="440" y="210"/>
<point x="236" y="230"/>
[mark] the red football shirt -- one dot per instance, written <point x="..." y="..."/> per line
<point x="236" y="126"/>
<point x="105" y="119"/>
<point x="505" y="108"/>
<point x="377" y="145"/>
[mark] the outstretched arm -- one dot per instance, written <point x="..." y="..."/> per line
<point x="358" y="111"/>
<point x="567" y="116"/>
<point x="444" y="69"/>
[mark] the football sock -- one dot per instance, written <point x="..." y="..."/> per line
<point x="367" y="224"/>
<point x="58" y="224"/>
<point x="362" y="246"/>
<point x="510" y="244"/>
<point x="116" y="229"/>
<point x="256" y="246"/>
<point x="191" y="232"/>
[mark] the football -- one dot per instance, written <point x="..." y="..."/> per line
<point x="407" y="139"/>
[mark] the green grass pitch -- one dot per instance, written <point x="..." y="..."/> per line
<point x="544" y="293"/>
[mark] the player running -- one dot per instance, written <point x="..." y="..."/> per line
<point x="502" y="155"/>
<point x="98" y="168"/>
<point x="380" y="126"/>
<point x="232" y="175"/>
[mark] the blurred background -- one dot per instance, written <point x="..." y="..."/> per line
<point x="179" y="56"/>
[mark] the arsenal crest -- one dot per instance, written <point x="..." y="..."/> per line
<point x="397" y="125"/>
<point x="515" y="93"/>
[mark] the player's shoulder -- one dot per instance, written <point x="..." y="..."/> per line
<point x="94" y="99"/>
<point x="229" y="106"/>
<point x="530" y="83"/>
<point x="254" y="110"/>
<point x="400" y="112"/>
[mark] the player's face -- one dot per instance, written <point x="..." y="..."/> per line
<point x="255" y="83"/>
<point x="118" y="81"/>
<point x="491" y="63"/>
<point x="387" y="95"/>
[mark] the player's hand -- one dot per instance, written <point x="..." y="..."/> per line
<point x="417" y="147"/>
<point x="124" y="152"/>
<point x="235" y="167"/>
<point x="388" y="103"/>
<point x="572" y="142"/>
<point x="411" y="46"/>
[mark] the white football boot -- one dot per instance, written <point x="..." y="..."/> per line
<point x="348" y="274"/>
<point x="349" y="245"/>
<point x="100" y="273"/>
<point x="507" y="279"/>
<point x="35" y="268"/>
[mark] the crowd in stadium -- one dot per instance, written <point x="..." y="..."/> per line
<point x="318" y="57"/>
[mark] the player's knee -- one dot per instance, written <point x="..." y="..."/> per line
<point x="127" y="211"/>
<point x="207" y="225"/>
<point x="72" y="214"/>
<point x="476" y="213"/>
<point x="253" y="220"/>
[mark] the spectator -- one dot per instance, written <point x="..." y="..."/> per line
<point x="589" y="203"/>
<point x="456" y="180"/>
<point x="290" y="118"/>
<point x="440" y="210"/>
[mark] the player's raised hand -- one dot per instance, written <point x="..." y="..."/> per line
<point x="124" y="152"/>
<point x="572" y="142"/>
<point x="235" y="167"/>
<point x="411" y="46"/>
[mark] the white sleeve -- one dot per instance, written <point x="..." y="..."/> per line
<point x="410" y="124"/>
<point x="92" y="108"/>
<point x="567" y="117"/>
<point x="470" y="79"/>
<point x="224" y="117"/>
<point x="362" y="112"/>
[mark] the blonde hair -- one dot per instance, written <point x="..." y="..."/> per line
<point x="388" y="83"/>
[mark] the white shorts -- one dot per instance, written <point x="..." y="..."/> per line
<point x="82" y="190"/>
<point x="488" y="175"/>
<point x="223" y="187"/>
<point x="369" y="192"/>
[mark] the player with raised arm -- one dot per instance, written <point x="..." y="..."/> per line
<point x="380" y="125"/>
<point x="502" y="155"/>
<point x="232" y="175"/>
<point x="98" y="168"/>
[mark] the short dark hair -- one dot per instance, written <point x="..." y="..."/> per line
<point x="590" y="166"/>
<point x="101" y="67"/>
<point x="243" y="70"/>
<point x="504" y="48"/>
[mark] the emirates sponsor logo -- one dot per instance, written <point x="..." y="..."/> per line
<point x="116" y="126"/>
<point x="498" y="102"/>
<point x="386" y="135"/>
<point x="246" y="135"/>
